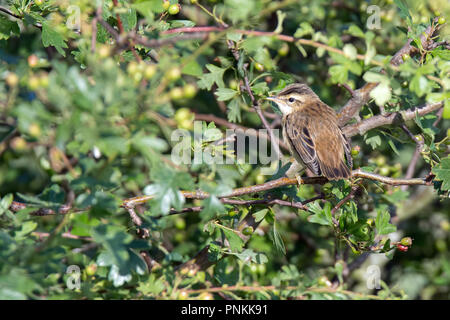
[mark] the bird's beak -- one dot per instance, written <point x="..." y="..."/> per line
<point x="274" y="99"/>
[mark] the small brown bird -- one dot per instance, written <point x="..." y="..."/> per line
<point x="310" y="129"/>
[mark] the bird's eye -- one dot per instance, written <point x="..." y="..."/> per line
<point x="291" y="99"/>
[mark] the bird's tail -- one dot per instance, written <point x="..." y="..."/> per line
<point x="336" y="173"/>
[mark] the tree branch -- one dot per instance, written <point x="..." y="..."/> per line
<point x="392" y="118"/>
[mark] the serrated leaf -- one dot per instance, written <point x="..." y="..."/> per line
<point x="215" y="76"/>
<point x="51" y="37"/>
<point x="234" y="111"/>
<point x="8" y="27"/>
<point x="320" y="216"/>
<point x="382" y="223"/>
<point x="225" y="94"/>
<point x="442" y="172"/>
<point x="381" y="94"/>
<point x="339" y="74"/>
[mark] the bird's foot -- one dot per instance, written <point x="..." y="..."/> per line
<point x="299" y="179"/>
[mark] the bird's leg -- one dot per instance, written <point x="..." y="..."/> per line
<point x="295" y="170"/>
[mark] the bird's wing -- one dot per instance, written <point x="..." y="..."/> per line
<point x="300" y="139"/>
<point x="347" y="150"/>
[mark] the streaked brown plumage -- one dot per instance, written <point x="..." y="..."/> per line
<point x="311" y="130"/>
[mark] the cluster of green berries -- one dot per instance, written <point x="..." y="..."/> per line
<point x="172" y="9"/>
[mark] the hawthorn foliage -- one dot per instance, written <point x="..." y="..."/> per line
<point x="92" y="92"/>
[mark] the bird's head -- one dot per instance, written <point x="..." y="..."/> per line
<point x="293" y="97"/>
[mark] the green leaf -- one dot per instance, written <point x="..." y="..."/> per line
<point x="382" y="223"/>
<point x="442" y="172"/>
<point x="26" y="228"/>
<point x="350" y="51"/>
<point x="259" y="215"/>
<point x="8" y="27"/>
<point x="215" y="76"/>
<point x="304" y="29"/>
<point x="320" y="216"/>
<point x="147" y="7"/>
<point x="225" y="94"/>
<point x="5" y="203"/>
<point x="152" y="285"/>
<point x="339" y="74"/>
<point x="249" y="256"/>
<point x="420" y="85"/>
<point x="371" y="76"/>
<point x="51" y="37"/>
<point x="214" y="252"/>
<point x="355" y="31"/>
<point x="234" y="111"/>
<point x="192" y="68"/>
<point x="277" y="240"/>
<point x="235" y="242"/>
<point x="404" y="11"/>
<point x="393" y="147"/>
<point x="166" y="189"/>
<point x="381" y="94"/>
<point x="129" y="19"/>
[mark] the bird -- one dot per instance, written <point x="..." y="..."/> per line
<point x="311" y="131"/>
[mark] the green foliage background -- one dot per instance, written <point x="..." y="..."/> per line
<point x="91" y="127"/>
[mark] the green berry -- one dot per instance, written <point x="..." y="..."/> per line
<point x="104" y="51"/>
<point x="182" y="114"/>
<point x="34" y="83"/>
<point x="166" y="4"/>
<point x="232" y="213"/>
<point x="384" y="171"/>
<point x="12" y="79"/>
<point x="324" y="282"/>
<point x="174" y="73"/>
<point x="233" y="84"/>
<point x="260" y="179"/>
<point x="380" y="160"/>
<point x="261" y="269"/>
<point x="283" y="50"/>
<point x="406" y="241"/>
<point x="149" y="71"/>
<point x="247" y="231"/>
<point x="176" y="93"/>
<point x="180" y="224"/>
<point x="91" y="269"/>
<point x="355" y="150"/>
<point x="441" y="20"/>
<point x="370" y="222"/>
<point x="189" y="91"/>
<point x="205" y="296"/>
<point x="34" y="130"/>
<point x="259" y="66"/>
<point x="406" y="56"/>
<point x="133" y="68"/>
<point x="183" y="295"/>
<point x="174" y="9"/>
